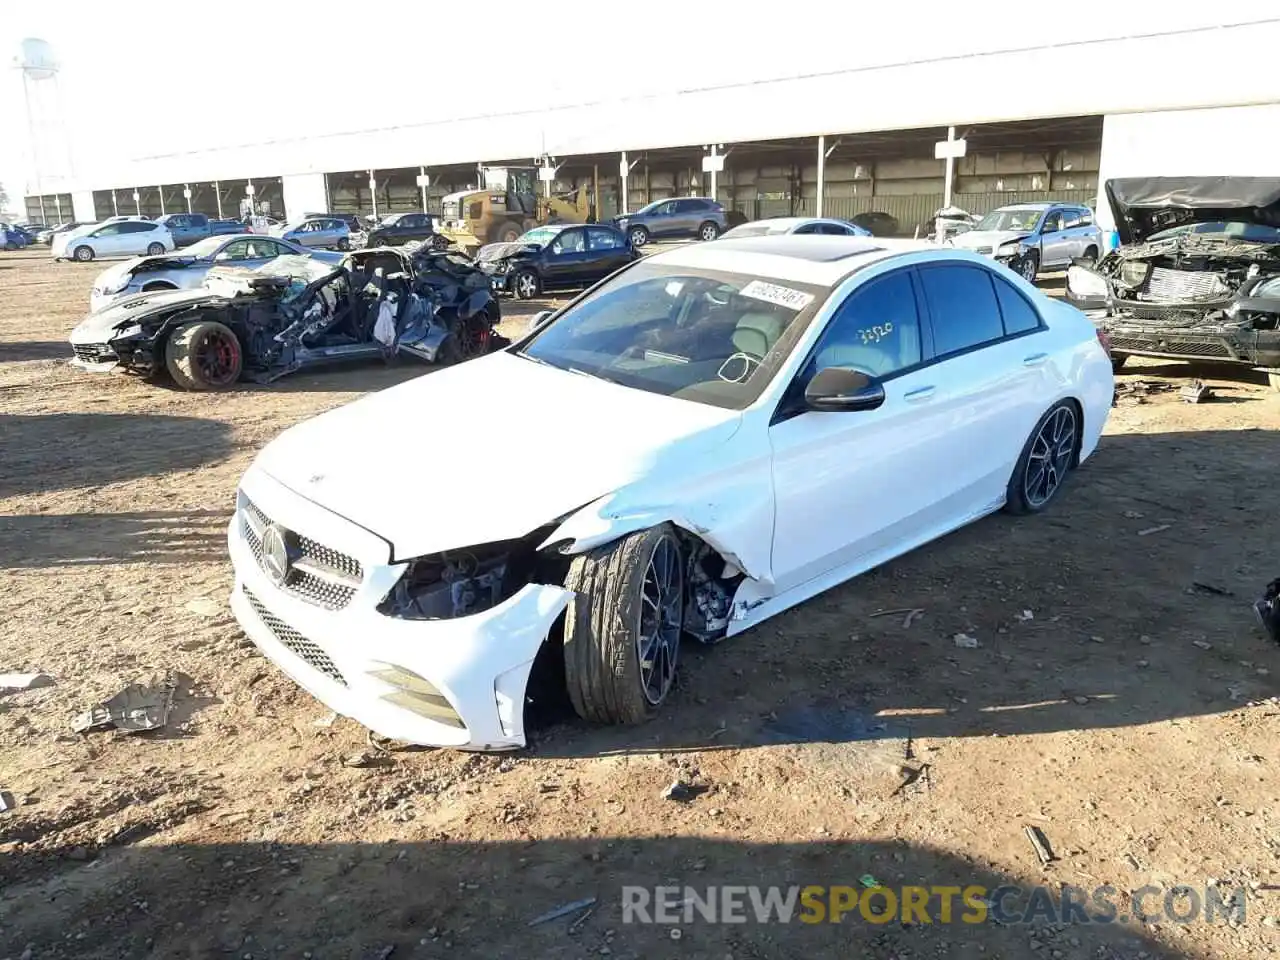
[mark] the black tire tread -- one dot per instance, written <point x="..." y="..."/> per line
<point x="1015" y="502"/>
<point x="601" y="670"/>
<point x="178" y="359"/>
<point x="537" y="282"/>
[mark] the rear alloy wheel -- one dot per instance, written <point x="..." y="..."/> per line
<point x="205" y="355"/>
<point x="638" y="236"/>
<point x="83" y="254"/>
<point x="708" y="231"/>
<point x="623" y="626"/>
<point x="1045" y="462"/>
<point x="155" y="249"/>
<point x="1029" y="267"/>
<point x="525" y="285"/>
<point x="344" y="244"/>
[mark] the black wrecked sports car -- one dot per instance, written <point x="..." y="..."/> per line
<point x="295" y="312"/>
<point x="1196" y="275"/>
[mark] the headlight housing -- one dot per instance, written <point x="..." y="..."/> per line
<point x="1010" y="249"/>
<point x="1085" y="283"/>
<point x="456" y="583"/>
<point x="1267" y="288"/>
<point x="1133" y="274"/>
<point x="123" y="333"/>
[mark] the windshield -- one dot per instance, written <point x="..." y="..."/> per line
<point x="1010" y="220"/>
<point x="204" y="248"/>
<point x="391" y="219"/>
<point x="539" y="235"/>
<point x="715" y="338"/>
<point x="1235" y="229"/>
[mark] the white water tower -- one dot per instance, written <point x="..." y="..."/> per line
<point x="50" y="149"/>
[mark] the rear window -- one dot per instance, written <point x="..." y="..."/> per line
<point x="1019" y="316"/>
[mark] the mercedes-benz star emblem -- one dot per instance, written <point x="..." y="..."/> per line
<point x="275" y="554"/>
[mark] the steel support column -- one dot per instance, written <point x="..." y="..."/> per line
<point x="822" y="174"/>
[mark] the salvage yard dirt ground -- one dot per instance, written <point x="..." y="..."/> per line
<point x="1121" y="698"/>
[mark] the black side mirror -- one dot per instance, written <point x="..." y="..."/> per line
<point x="837" y="389"/>
<point x="540" y="319"/>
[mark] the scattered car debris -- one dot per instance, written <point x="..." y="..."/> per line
<point x="892" y="613"/>
<point x="1025" y="616"/>
<point x="328" y="720"/>
<point x="1040" y="843"/>
<point x="22" y="682"/>
<point x="1137" y="391"/>
<point x="367" y="758"/>
<point x="7" y="802"/>
<point x="577" y="924"/>
<point x="911" y="617"/>
<point x="204" y="606"/>
<point x="1133" y="515"/>
<point x="966" y="642"/>
<point x="136" y="708"/>
<point x="1268" y="610"/>
<point x="1081" y="700"/>
<point x="1210" y="588"/>
<point x="563" y="911"/>
<point x="1197" y="391"/>
<point x="1202" y="644"/>
<point x="681" y="792"/>
<point x="870" y="882"/>
<point x="1156" y="529"/>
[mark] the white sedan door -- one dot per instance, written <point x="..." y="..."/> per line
<point x="849" y="483"/>
<point x="105" y="240"/>
<point x="994" y="370"/>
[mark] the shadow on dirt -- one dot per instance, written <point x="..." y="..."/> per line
<point x="1128" y="602"/>
<point x="1195" y="369"/>
<point x="355" y="378"/>
<point x="77" y="539"/>
<point x="12" y="352"/>
<point x="59" y="451"/>
<point x="447" y="899"/>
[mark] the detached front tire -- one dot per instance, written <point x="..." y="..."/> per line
<point x="204" y="355"/>
<point x="622" y="629"/>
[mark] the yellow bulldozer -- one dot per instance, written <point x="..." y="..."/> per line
<point x="507" y="206"/>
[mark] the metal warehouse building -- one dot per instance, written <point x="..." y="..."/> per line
<point x="1045" y="121"/>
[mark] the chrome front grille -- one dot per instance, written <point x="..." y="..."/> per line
<point x="94" y="352"/>
<point x="1166" y="284"/>
<point x="320" y="575"/>
<point x="296" y="643"/>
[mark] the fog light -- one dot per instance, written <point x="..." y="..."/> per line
<point x="417" y="694"/>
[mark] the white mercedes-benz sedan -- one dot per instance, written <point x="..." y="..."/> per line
<point x="708" y="437"/>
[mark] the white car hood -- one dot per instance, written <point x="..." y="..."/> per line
<point x="972" y="239"/>
<point x="487" y="450"/>
<point x="100" y="325"/>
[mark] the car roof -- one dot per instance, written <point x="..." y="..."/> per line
<point x="1036" y="205"/>
<point x="821" y="260"/>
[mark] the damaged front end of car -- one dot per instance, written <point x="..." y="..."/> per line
<point x="1193" y="282"/>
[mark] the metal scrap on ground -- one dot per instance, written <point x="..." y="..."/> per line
<point x="563" y="911"/>
<point x="21" y="682"/>
<point x="1040" y="843"/>
<point x="136" y="708"/>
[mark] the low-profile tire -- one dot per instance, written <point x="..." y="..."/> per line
<point x="525" y="284"/>
<point x="204" y="355"/>
<point x="708" y="231"/>
<point x="1091" y="254"/>
<point x="1046" y="459"/>
<point x="1029" y="266"/>
<point x="83" y="253"/>
<point x="344" y="244"/>
<point x="638" y="236"/>
<point x="155" y="249"/>
<point x="613" y="606"/>
<point x="1118" y="360"/>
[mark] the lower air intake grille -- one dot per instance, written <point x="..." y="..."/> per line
<point x="299" y="645"/>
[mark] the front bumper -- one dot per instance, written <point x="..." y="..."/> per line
<point x="1220" y="344"/>
<point x="480" y="664"/>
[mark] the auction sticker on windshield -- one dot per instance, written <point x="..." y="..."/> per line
<point x="775" y="294"/>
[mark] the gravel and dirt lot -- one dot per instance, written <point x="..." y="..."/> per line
<point x="1121" y="698"/>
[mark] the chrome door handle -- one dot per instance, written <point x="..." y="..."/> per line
<point x="1035" y="359"/>
<point x="920" y="393"/>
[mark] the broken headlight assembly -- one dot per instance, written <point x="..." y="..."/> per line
<point x="456" y="583"/>
<point x="1082" y="283"/>
<point x="1011" y="249"/>
<point x="1133" y="274"/>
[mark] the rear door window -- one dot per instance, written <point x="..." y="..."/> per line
<point x="599" y="238"/>
<point x="963" y="307"/>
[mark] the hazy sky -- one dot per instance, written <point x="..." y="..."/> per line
<point x="138" y="79"/>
